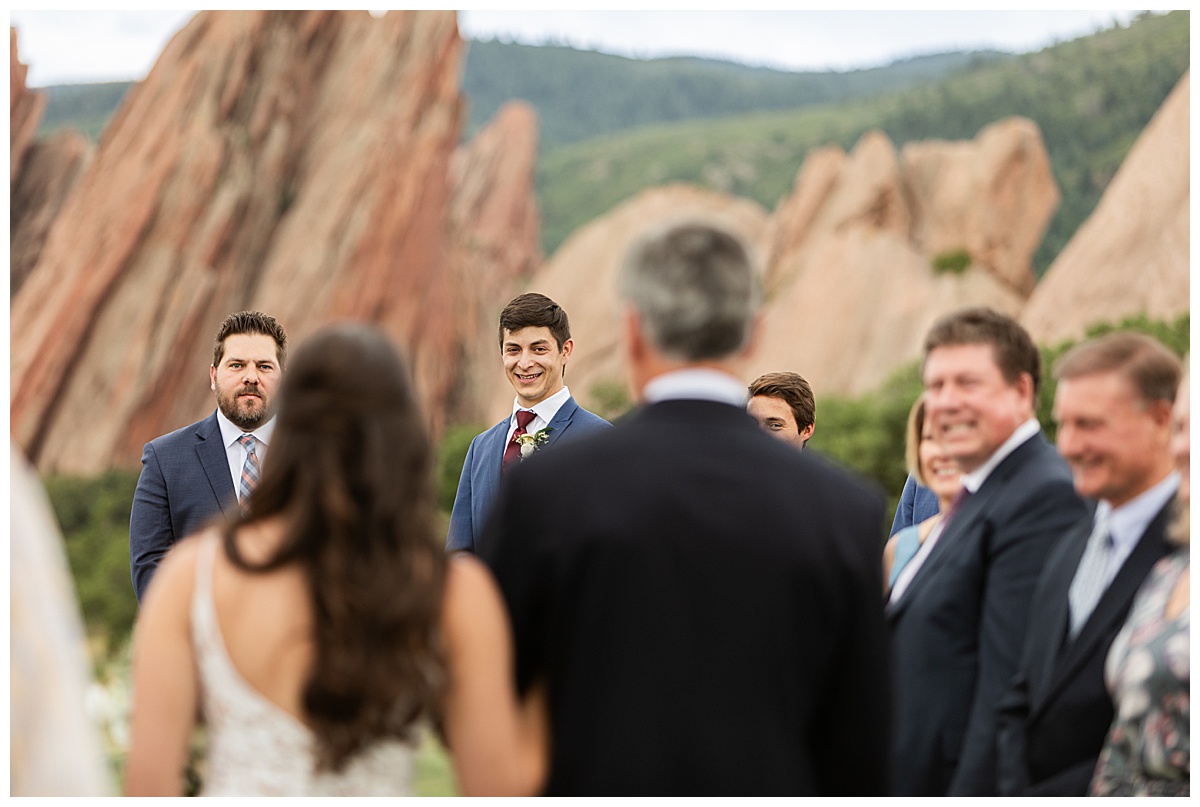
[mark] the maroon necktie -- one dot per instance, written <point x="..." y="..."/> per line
<point x="962" y="494"/>
<point x="512" y="451"/>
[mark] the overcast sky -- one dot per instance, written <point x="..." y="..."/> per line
<point x="84" y="46"/>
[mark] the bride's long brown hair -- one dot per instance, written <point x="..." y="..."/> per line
<point x="349" y="471"/>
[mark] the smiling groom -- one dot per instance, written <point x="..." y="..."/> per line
<point x="535" y="344"/>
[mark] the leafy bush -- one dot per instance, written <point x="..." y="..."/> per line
<point x="94" y="516"/>
<point x="954" y="262"/>
<point x="451" y="452"/>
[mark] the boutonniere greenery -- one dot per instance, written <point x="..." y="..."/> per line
<point x="530" y="443"/>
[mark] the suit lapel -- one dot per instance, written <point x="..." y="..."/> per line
<point x="561" y="420"/>
<point x="969" y="511"/>
<point x="1117" y="598"/>
<point x="973" y="509"/>
<point x="491" y="455"/>
<point x="211" y="452"/>
<point x="1054" y="625"/>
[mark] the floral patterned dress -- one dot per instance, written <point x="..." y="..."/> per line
<point x="1148" y="748"/>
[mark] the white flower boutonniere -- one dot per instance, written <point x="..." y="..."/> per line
<point x="530" y="443"/>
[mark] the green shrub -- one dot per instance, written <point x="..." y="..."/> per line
<point x="452" y="451"/>
<point x="955" y="262"/>
<point x="93" y="513"/>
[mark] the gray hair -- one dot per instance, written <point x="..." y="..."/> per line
<point x="695" y="288"/>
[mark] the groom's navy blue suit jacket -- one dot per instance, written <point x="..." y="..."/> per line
<point x="480" y="479"/>
<point x="185" y="483"/>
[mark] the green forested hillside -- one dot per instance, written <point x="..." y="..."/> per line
<point x="582" y="94"/>
<point x="1091" y="97"/>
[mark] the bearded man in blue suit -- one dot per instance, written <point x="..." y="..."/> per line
<point x="535" y="344"/>
<point x="202" y="472"/>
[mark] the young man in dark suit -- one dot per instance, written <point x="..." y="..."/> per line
<point x="535" y="345"/>
<point x="959" y="609"/>
<point x="196" y="473"/>
<point x="701" y="600"/>
<point x="1113" y="409"/>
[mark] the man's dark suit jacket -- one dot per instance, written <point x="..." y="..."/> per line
<point x="703" y="601"/>
<point x="185" y="483"/>
<point x="957" y="631"/>
<point x="480" y="478"/>
<point x="1056" y="717"/>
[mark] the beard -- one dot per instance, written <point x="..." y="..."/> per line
<point x="247" y="414"/>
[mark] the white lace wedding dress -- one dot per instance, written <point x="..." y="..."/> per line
<point x="256" y="748"/>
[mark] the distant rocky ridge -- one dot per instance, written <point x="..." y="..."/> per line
<point x="1132" y="255"/>
<point x="242" y="174"/>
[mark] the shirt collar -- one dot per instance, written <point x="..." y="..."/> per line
<point x="545" y="409"/>
<point x="1128" y="522"/>
<point x="230" y="433"/>
<point x="696" y="383"/>
<point x="974" y="480"/>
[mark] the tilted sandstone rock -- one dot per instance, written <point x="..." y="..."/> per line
<point x="49" y="173"/>
<point x="582" y="278"/>
<point x="1132" y="255"/>
<point x="992" y="196"/>
<point x="25" y="109"/>
<point x="292" y="162"/>
<point x="851" y="286"/>
<point x="495" y="232"/>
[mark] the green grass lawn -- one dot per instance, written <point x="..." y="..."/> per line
<point x="432" y="775"/>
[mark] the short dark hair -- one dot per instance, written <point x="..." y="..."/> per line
<point x="533" y="310"/>
<point x="1148" y="363"/>
<point x="250" y="322"/>
<point x="791" y="388"/>
<point x="1012" y="347"/>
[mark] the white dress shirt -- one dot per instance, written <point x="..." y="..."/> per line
<point x="543" y="413"/>
<point x="696" y="383"/>
<point x="235" y="452"/>
<point x="1127" y="523"/>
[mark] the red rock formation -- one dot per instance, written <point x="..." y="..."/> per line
<point x="850" y="279"/>
<point x="496" y="237"/>
<point x="1132" y="255"/>
<point x="25" y="109"/>
<point x="293" y="162"/>
<point x="49" y="173"/>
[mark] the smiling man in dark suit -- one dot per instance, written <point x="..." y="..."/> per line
<point x="196" y="473"/>
<point x="959" y="609"/>
<point x="701" y="599"/>
<point x="535" y="346"/>
<point x="1113" y="409"/>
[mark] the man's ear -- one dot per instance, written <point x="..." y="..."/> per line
<point x="634" y="341"/>
<point x="807" y="432"/>
<point x="567" y="347"/>
<point x="212" y="378"/>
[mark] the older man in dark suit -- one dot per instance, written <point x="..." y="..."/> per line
<point x="1113" y="408"/>
<point x="196" y="473"/>
<point x="959" y="609"/>
<point x="701" y="599"/>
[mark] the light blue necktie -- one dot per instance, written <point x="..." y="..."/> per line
<point x="1091" y="577"/>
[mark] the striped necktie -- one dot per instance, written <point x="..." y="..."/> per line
<point x="1091" y="578"/>
<point x="250" y="470"/>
